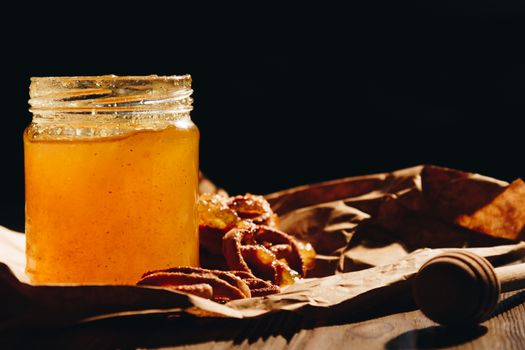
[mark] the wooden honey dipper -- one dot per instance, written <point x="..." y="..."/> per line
<point x="462" y="289"/>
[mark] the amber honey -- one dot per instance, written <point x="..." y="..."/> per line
<point x="105" y="209"/>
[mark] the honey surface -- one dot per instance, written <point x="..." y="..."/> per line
<point x="106" y="210"/>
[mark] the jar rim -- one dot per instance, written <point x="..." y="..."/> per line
<point x="110" y="94"/>
<point x="111" y="77"/>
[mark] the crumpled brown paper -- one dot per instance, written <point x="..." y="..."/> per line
<point x="372" y="220"/>
<point x="371" y="233"/>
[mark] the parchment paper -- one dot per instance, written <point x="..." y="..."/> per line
<point x="372" y="233"/>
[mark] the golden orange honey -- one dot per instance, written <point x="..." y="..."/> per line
<point x="106" y="209"/>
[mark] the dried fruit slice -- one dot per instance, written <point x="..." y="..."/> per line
<point x="253" y="207"/>
<point x="215" y="219"/>
<point x="308" y="254"/>
<point x="258" y="287"/>
<point x="226" y="276"/>
<point x="220" y="286"/>
<point x="218" y="214"/>
<point x="266" y="252"/>
<point x="221" y="289"/>
<point x="202" y="290"/>
<point x="214" y="212"/>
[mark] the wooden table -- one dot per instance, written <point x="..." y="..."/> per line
<point x="393" y="327"/>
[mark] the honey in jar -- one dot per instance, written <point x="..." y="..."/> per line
<point x="111" y="175"/>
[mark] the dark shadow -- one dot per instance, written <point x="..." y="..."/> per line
<point x="509" y="303"/>
<point x="435" y="337"/>
<point x="512" y="257"/>
<point x="155" y="331"/>
<point x="158" y="331"/>
<point x="441" y="337"/>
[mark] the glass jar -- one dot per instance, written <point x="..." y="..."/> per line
<point x="111" y="176"/>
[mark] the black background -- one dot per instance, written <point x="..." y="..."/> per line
<point x="291" y="94"/>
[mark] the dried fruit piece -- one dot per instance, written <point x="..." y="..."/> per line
<point x="253" y="207"/>
<point x="220" y="286"/>
<point x="173" y="280"/>
<point x="218" y="214"/>
<point x="259" y="248"/>
<point x="215" y="219"/>
<point x="308" y="254"/>
<point x="266" y="252"/>
<point x="202" y="290"/>
<point x="258" y="287"/>
<point x="214" y="212"/>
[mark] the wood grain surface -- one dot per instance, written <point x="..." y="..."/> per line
<point x="387" y="327"/>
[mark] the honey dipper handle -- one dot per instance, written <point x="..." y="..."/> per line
<point x="511" y="277"/>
